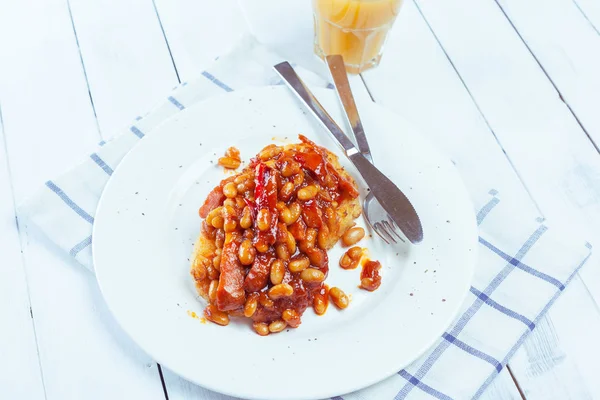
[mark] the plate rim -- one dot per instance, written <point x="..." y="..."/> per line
<point x="324" y="392"/>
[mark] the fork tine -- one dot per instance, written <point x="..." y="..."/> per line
<point x="377" y="226"/>
<point x="391" y="225"/>
<point x="386" y="232"/>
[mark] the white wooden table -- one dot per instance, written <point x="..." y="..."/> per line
<point x="510" y="89"/>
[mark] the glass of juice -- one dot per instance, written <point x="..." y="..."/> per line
<point x="356" y="29"/>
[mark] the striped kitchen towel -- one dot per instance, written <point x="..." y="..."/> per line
<point x="523" y="265"/>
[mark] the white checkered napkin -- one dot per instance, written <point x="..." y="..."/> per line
<point x="64" y="208"/>
<point x="523" y="264"/>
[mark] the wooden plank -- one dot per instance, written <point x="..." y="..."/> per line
<point x="49" y="125"/>
<point x="570" y="60"/>
<point x="138" y="73"/>
<point x="180" y="389"/>
<point x="591" y="11"/>
<point x="114" y="77"/>
<point x="126" y="59"/>
<point x="522" y="119"/>
<point x="556" y="362"/>
<point x="20" y="375"/>
<point x="529" y="119"/>
<point x="571" y="63"/>
<point x="199" y="32"/>
<point x="417" y="80"/>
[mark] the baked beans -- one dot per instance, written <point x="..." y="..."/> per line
<point x="263" y="219"/>
<point x="271" y="225"/>
<point x="277" y="272"/>
<point x="229" y="163"/>
<point x="277" y="326"/>
<point x="312" y="275"/>
<point x="247" y="252"/>
<point x="281" y="249"/>
<point x="351" y="258"/>
<point x="212" y="313"/>
<point x="321" y="300"/>
<point x="291" y="317"/>
<point x="298" y="263"/>
<point x="308" y="192"/>
<point x="246" y="219"/>
<point x="339" y="298"/>
<point x="251" y="305"/>
<point x="230" y="190"/>
<point x="369" y="276"/>
<point x="281" y="290"/>
<point x="261" y="328"/>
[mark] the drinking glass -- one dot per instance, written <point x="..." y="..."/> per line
<point x="356" y="29"/>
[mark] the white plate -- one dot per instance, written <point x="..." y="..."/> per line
<point x="147" y="221"/>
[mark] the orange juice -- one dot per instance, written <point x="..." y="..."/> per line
<point x="356" y="29"/>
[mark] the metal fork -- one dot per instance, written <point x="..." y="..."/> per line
<point x="375" y="215"/>
<point x="386" y="194"/>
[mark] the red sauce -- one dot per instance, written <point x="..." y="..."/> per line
<point x="321" y="300"/>
<point x="369" y="276"/>
<point x="297" y="167"/>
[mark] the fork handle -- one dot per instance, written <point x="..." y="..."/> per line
<point x="391" y="198"/>
<point x="342" y="85"/>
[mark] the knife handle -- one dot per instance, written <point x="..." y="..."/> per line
<point x="292" y="79"/>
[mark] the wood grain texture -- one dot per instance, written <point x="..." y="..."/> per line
<point x="49" y="125"/>
<point x="50" y="108"/>
<point x="590" y="9"/>
<point x="571" y="63"/>
<point x="199" y="32"/>
<point x="20" y="374"/>
<point x="523" y="110"/>
<point x="441" y="92"/>
<point x="126" y="59"/>
<point x="557" y="362"/>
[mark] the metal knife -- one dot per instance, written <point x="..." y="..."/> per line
<point x="391" y="198"/>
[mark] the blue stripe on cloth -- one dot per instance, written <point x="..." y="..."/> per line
<point x="467" y="315"/>
<point x="52" y="186"/>
<point x="337" y="398"/>
<point x="503" y="309"/>
<point x="102" y="143"/>
<point x="80" y="246"/>
<point x="330" y="86"/>
<point x="493" y="192"/>
<point x="512" y="351"/>
<point x="138" y="117"/>
<point x="517" y="263"/>
<point x="136" y="131"/>
<point x="485" y="210"/>
<point x="473" y="351"/>
<point x="217" y="82"/>
<point x="96" y="158"/>
<point x="426" y="388"/>
<point x="176" y="103"/>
